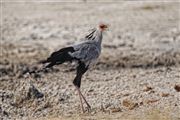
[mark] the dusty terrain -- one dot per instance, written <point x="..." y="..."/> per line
<point x="136" y="77"/>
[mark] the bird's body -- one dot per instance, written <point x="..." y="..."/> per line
<point x="88" y="51"/>
<point x="85" y="53"/>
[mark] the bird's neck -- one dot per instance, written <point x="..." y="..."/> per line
<point x="95" y="36"/>
<point x="99" y="37"/>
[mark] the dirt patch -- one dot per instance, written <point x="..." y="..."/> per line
<point x="137" y="75"/>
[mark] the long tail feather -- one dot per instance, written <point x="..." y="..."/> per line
<point x="58" y="57"/>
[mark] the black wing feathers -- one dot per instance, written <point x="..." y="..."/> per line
<point x="59" y="57"/>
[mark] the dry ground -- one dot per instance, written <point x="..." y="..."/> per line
<point x="136" y="77"/>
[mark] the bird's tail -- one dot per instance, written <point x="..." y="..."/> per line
<point x="42" y="62"/>
<point x="37" y="71"/>
<point x="58" y="57"/>
<point x="55" y="58"/>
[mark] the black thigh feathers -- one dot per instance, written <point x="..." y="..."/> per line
<point x="81" y="69"/>
<point x="59" y="57"/>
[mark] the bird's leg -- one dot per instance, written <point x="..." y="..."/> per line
<point x="81" y="69"/>
<point x="85" y="100"/>
<point x="80" y="99"/>
<point x="83" y="97"/>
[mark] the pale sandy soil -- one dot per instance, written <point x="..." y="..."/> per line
<point x="136" y="77"/>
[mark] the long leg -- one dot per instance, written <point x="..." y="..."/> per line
<point x="81" y="69"/>
<point x="82" y="107"/>
<point x="83" y="97"/>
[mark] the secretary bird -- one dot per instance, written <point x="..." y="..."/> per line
<point x="84" y="53"/>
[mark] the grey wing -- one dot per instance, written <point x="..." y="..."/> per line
<point x="86" y="52"/>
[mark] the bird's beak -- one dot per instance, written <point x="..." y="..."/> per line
<point x="103" y="27"/>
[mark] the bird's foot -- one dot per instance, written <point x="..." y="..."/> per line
<point x="88" y="109"/>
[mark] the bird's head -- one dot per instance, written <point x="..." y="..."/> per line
<point x="103" y="27"/>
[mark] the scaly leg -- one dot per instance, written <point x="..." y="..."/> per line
<point x="81" y="95"/>
<point x="82" y="107"/>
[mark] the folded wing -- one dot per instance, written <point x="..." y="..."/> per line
<point x="86" y="52"/>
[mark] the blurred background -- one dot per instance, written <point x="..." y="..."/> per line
<point x="138" y="69"/>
